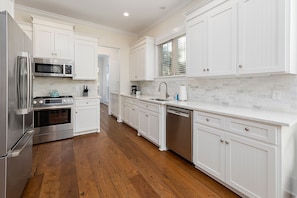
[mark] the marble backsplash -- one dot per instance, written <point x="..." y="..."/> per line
<point x="276" y="93"/>
<point x="65" y="86"/>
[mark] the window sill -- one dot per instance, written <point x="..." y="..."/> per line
<point x="179" y="77"/>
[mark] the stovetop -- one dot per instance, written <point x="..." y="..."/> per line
<point x="46" y="101"/>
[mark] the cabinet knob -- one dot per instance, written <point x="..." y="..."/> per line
<point x="226" y="142"/>
<point x="146" y="115"/>
<point x="207" y="69"/>
<point x="207" y="119"/>
<point x="247" y="129"/>
<point x="203" y="69"/>
<point x="240" y="66"/>
<point x="76" y="112"/>
<point x="222" y="141"/>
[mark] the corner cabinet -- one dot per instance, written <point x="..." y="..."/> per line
<point x="87" y="116"/>
<point x="252" y="157"/>
<point x="142" y="60"/>
<point x="242" y="37"/>
<point x="52" y="40"/>
<point x="85" y="58"/>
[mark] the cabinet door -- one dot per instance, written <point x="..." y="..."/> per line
<point x="154" y="127"/>
<point x="133" y="117"/>
<point x="197" y="47"/>
<point x="86" y="118"/>
<point x="85" y="60"/>
<point x="141" y="64"/>
<point x="43" y="42"/>
<point x="143" y="122"/>
<point x="64" y="44"/>
<point x="221" y="40"/>
<point x="133" y="66"/>
<point x="251" y="166"/>
<point x="261" y="36"/>
<point x="209" y="150"/>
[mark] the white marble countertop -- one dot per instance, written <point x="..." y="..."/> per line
<point x="259" y="115"/>
<point x="86" y="97"/>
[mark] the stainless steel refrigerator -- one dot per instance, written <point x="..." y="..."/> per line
<point x="16" y="115"/>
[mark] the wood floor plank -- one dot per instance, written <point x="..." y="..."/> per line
<point x="115" y="163"/>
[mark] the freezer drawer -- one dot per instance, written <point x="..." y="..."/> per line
<point x="2" y="177"/>
<point x="19" y="164"/>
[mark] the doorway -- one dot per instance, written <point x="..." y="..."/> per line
<point x="103" y="65"/>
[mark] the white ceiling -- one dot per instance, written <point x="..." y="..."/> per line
<point x="143" y="13"/>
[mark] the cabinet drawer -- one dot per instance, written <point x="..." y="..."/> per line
<point x="87" y="102"/>
<point x="129" y="100"/>
<point x="255" y="130"/>
<point x="208" y="119"/>
<point x="149" y="106"/>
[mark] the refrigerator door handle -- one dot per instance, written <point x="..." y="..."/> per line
<point x="17" y="151"/>
<point x="23" y="74"/>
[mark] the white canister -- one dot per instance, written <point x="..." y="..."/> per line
<point x="138" y="93"/>
<point x="182" y="95"/>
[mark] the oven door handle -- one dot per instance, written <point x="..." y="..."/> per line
<point x="52" y="107"/>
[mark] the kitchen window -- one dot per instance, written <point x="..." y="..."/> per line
<point x="172" y="57"/>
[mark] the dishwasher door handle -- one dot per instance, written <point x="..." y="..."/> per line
<point x="178" y="113"/>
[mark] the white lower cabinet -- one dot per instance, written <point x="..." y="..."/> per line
<point x="130" y="111"/>
<point x="244" y="164"/>
<point x="87" y="116"/>
<point x="250" y="166"/>
<point x="113" y="104"/>
<point x="149" y="125"/>
<point x="150" y="122"/>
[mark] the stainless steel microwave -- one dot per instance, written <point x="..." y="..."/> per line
<point x="53" y="67"/>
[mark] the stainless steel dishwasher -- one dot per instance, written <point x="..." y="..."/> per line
<point x="179" y="131"/>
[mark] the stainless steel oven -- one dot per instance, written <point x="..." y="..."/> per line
<point x="52" y="118"/>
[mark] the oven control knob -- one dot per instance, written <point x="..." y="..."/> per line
<point x="34" y="102"/>
<point x="64" y="101"/>
<point x="40" y="101"/>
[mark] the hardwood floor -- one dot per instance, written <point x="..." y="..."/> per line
<point x="115" y="163"/>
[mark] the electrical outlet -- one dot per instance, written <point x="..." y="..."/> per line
<point x="276" y="94"/>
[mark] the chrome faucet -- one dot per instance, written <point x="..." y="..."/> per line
<point x="167" y="95"/>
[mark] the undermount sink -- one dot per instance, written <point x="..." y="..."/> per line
<point x="159" y="99"/>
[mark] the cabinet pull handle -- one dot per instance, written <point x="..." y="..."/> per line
<point x="207" y="119"/>
<point x="226" y="142"/>
<point x="247" y="129"/>
<point x="240" y="66"/>
<point x="221" y="140"/>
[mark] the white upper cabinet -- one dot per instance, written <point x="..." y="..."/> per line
<point x="211" y="42"/>
<point x="51" y="40"/>
<point x="261" y="38"/>
<point x="245" y="37"/>
<point x="142" y="60"/>
<point x="197" y="46"/>
<point x="85" y="58"/>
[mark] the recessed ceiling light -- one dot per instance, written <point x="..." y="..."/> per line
<point x="162" y="7"/>
<point x="126" y="14"/>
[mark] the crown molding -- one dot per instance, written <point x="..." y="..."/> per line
<point x="171" y="13"/>
<point x="55" y="16"/>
